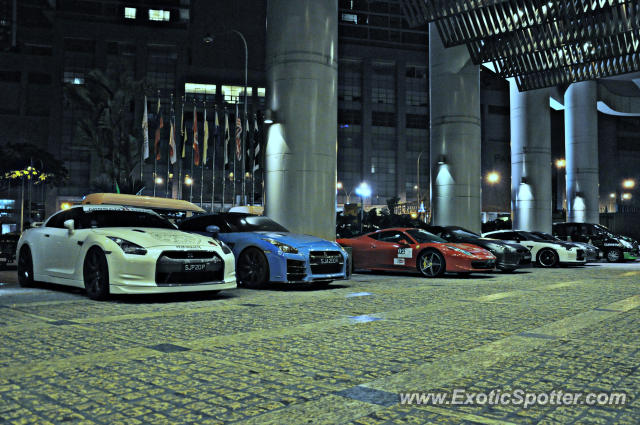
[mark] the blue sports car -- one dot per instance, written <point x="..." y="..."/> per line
<point x="267" y="252"/>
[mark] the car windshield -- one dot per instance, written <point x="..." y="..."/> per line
<point x="254" y="223"/>
<point x="462" y="233"/>
<point x="531" y="237"/>
<point x="422" y="236"/>
<point x="545" y="236"/>
<point x="106" y="218"/>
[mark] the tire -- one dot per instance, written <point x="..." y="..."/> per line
<point x="547" y="258"/>
<point x="431" y="263"/>
<point x="25" y="268"/>
<point x="252" y="268"/>
<point x="96" y="275"/>
<point x="614" y="255"/>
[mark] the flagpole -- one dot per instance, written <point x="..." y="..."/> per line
<point x="253" y="161"/>
<point x="171" y="120"/>
<point x="213" y="160"/>
<point x="182" y="146"/>
<point x="192" y="153"/>
<point x="204" y="153"/>
<point x="233" y="200"/>
<point x="155" y="148"/>
<point x="224" y="157"/>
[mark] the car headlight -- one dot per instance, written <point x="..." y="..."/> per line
<point x="281" y="246"/>
<point x="625" y="244"/>
<point x="225" y="247"/>
<point x="128" y="247"/>
<point x="459" y="250"/>
<point x="496" y="247"/>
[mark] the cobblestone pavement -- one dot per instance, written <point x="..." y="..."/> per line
<point x="315" y="355"/>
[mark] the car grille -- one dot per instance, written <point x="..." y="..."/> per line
<point x="326" y="262"/>
<point x="296" y="270"/>
<point x="512" y="258"/>
<point x="170" y="268"/>
<point x="579" y="255"/>
<point x="189" y="255"/>
<point x="483" y="264"/>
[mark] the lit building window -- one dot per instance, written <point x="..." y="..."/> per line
<point x="159" y="15"/>
<point x="130" y="12"/>
<point x="73" y="77"/>
<point x="233" y="94"/>
<point x="350" y="17"/>
<point x="194" y="88"/>
<point x="262" y="92"/>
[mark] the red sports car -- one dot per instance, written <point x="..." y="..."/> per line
<point x="411" y="249"/>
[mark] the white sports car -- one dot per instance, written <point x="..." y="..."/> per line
<point x="543" y="252"/>
<point x="113" y="249"/>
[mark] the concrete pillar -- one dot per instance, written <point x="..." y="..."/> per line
<point x="531" y="203"/>
<point x="454" y="87"/>
<point x="401" y="136"/>
<point x="581" y="150"/>
<point x="302" y="82"/>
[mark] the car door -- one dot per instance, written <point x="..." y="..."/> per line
<point x="46" y="258"/>
<point x="392" y="250"/>
<point x="67" y="245"/>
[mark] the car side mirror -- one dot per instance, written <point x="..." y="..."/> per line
<point x="403" y="242"/>
<point x="69" y="225"/>
<point x="214" y="230"/>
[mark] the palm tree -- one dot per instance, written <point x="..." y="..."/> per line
<point x="108" y="123"/>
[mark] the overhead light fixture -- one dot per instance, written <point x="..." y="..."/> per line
<point x="268" y="116"/>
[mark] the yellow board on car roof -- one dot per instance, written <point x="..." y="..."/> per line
<point x="150" y="202"/>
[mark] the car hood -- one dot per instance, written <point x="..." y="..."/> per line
<point x="474" y="249"/>
<point x="150" y="237"/>
<point x="294" y="239"/>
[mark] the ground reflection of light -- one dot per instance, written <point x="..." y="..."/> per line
<point x="363" y="318"/>
<point x="358" y="294"/>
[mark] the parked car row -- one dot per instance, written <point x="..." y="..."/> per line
<point x="120" y="244"/>
<point x="125" y="249"/>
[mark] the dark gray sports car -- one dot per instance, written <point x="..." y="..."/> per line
<point x="509" y="256"/>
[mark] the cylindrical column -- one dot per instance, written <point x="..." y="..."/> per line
<point x="581" y="150"/>
<point x="454" y="87"/>
<point x="302" y="81"/>
<point x="531" y="203"/>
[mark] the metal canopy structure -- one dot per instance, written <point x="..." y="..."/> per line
<point x="540" y="43"/>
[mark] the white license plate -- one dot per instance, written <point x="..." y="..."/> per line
<point x="194" y="267"/>
<point x="331" y="260"/>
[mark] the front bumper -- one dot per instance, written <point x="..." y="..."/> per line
<point x="169" y="270"/>
<point x="512" y="260"/>
<point x="574" y="256"/>
<point x="630" y="255"/>
<point x="308" y="266"/>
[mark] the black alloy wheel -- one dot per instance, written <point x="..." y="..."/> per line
<point x="547" y="258"/>
<point x="25" y="268"/>
<point x="96" y="275"/>
<point x="252" y="268"/>
<point x="614" y="255"/>
<point x="431" y="263"/>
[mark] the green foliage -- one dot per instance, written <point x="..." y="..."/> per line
<point x="19" y="156"/>
<point x="107" y="123"/>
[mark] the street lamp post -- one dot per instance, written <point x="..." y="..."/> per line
<point x="418" y="175"/>
<point x="363" y="191"/>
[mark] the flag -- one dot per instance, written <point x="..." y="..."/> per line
<point x="117" y="188"/>
<point x="196" y="149"/>
<point x="227" y="137"/>
<point x="205" y="143"/>
<point x="159" y="126"/>
<point x="256" y="147"/>
<point x="145" y="131"/>
<point x="182" y="132"/>
<point x="248" y="153"/>
<point x="238" y="135"/>
<point x="172" y="137"/>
